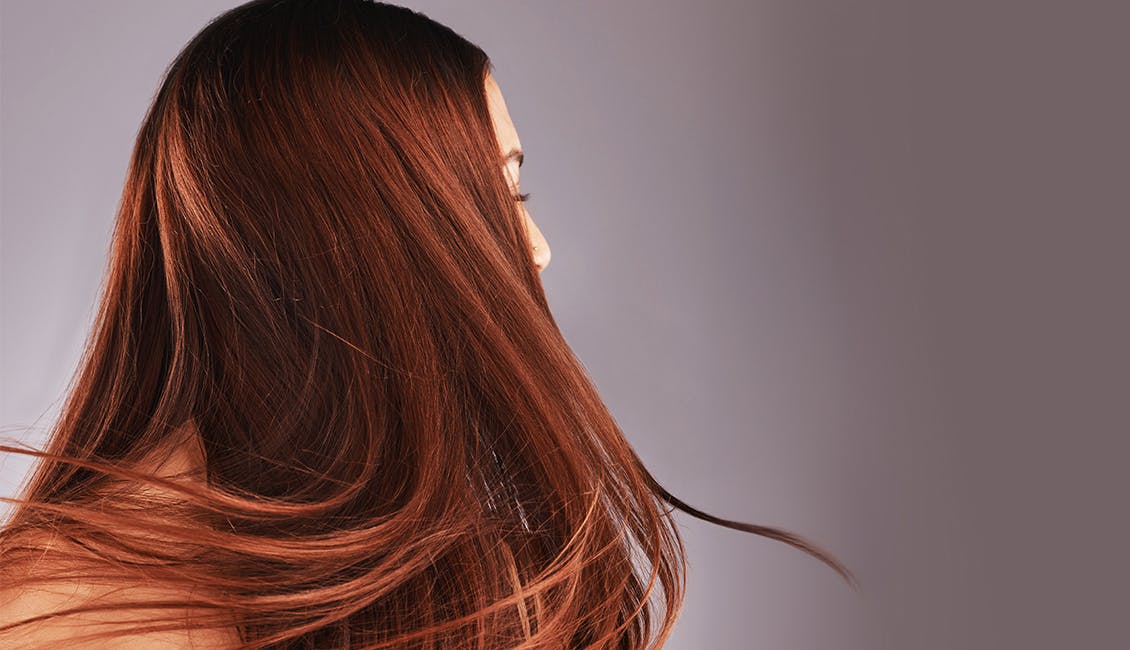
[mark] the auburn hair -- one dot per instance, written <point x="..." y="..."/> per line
<point x="319" y="274"/>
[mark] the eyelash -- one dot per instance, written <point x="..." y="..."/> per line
<point x="524" y="197"/>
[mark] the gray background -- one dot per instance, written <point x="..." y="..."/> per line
<point x="852" y="268"/>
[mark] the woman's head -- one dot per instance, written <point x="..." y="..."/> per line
<point x="320" y="264"/>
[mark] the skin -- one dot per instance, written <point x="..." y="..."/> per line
<point x="508" y="142"/>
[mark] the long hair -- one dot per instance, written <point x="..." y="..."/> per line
<point x="319" y="272"/>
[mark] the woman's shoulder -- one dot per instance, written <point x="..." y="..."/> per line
<point x="54" y="591"/>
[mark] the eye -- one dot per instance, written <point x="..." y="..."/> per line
<point x="523" y="197"/>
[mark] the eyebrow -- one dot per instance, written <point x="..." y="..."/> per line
<point x="516" y="154"/>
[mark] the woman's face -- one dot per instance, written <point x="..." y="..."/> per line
<point x="511" y="147"/>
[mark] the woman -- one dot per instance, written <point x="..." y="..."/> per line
<point x="325" y="403"/>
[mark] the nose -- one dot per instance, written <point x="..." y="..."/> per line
<point x="539" y="244"/>
<point x="541" y="259"/>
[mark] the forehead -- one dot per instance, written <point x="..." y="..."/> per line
<point x="503" y="125"/>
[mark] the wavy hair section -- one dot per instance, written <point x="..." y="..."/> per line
<point x="319" y="280"/>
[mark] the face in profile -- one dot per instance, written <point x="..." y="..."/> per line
<point x="511" y="147"/>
